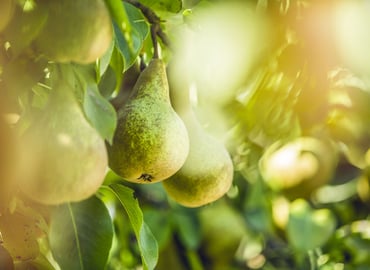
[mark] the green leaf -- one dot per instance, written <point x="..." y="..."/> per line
<point x="122" y="45"/>
<point x="103" y="63"/>
<point x="108" y="83"/>
<point x="81" y="235"/>
<point x="99" y="112"/>
<point x="130" y="39"/>
<point x="173" y="6"/>
<point x="117" y="12"/>
<point x="308" y="229"/>
<point x="147" y="243"/>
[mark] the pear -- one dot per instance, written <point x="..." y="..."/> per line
<point x="64" y="159"/>
<point x="6" y="12"/>
<point x="207" y="173"/>
<point x="151" y="141"/>
<point x="8" y="157"/>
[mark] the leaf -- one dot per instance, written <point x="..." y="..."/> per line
<point x="147" y="243"/>
<point x="81" y="235"/>
<point x="122" y="45"/>
<point x="103" y="63"/>
<point x="173" y="6"/>
<point x="308" y="229"/>
<point x="99" y="112"/>
<point x="130" y="38"/>
<point x="108" y="83"/>
<point x="117" y="12"/>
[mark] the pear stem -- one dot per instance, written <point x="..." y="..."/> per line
<point x="153" y="32"/>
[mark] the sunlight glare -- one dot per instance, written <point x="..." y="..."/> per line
<point x="352" y="21"/>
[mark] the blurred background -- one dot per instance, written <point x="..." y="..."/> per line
<point x="285" y="86"/>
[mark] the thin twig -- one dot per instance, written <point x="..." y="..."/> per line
<point x="153" y="32"/>
<point x="153" y="19"/>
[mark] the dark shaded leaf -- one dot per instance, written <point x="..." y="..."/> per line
<point x="81" y="235"/>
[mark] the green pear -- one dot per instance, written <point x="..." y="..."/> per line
<point x="223" y="229"/>
<point x="299" y="167"/>
<point x="6" y="260"/>
<point x="77" y="31"/>
<point x="151" y="141"/>
<point x="208" y="170"/>
<point x="64" y="159"/>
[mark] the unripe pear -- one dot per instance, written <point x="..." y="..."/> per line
<point x="64" y="158"/>
<point x="75" y="31"/>
<point x="208" y="170"/>
<point x="151" y="141"/>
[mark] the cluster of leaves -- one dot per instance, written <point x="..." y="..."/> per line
<point x="297" y="89"/>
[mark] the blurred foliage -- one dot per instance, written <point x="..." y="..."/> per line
<point x="299" y="85"/>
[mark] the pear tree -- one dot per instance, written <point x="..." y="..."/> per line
<point x="184" y="134"/>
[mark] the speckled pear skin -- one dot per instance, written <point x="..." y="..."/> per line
<point x="151" y="141"/>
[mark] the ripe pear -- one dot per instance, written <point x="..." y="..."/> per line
<point x="208" y="170"/>
<point x="19" y="236"/>
<point x="64" y="159"/>
<point x="151" y="141"/>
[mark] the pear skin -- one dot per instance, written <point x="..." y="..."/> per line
<point x="9" y="156"/>
<point x="64" y="159"/>
<point x="207" y="173"/>
<point x="151" y="141"/>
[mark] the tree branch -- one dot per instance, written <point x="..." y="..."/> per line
<point x="153" y="19"/>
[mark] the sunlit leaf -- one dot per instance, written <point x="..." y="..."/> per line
<point x="117" y="12"/>
<point x="147" y="243"/>
<point x="81" y="235"/>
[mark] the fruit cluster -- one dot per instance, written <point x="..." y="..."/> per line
<point x="52" y="154"/>
<point x="63" y="158"/>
